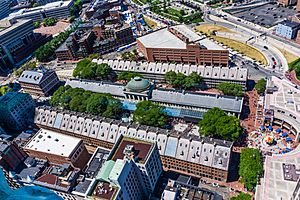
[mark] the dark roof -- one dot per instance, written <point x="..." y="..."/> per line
<point x="48" y="178"/>
<point x="96" y="162"/>
<point x="30" y="171"/>
<point x="141" y="149"/>
<point x="289" y="23"/>
<point x="3" y="146"/>
<point x="101" y="187"/>
<point x="83" y="186"/>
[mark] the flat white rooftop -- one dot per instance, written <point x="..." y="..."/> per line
<point x="165" y="39"/>
<point x="187" y="32"/>
<point x="286" y="97"/>
<point x="210" y="45"/>
<point x="49" y="6"/>
<point x="273" y="185"/>
<point x="162" y="39"/>
<point x="53" y="143"/>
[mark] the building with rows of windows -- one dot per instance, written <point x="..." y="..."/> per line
<point x="212" y="75"/>
<point x="180" y="44"/>
<point x="17" y="110"/>
<point x="131" y="171"/>
<point x="180" y="104"/>
<point x="39" y="82"/>
<point x="57" y="148"/>
<point x="185" y="153"/>
<point x="18" y="41"/>
<point x="58" y="10"/>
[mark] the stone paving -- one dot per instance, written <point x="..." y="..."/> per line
<point x="279" y="146"/>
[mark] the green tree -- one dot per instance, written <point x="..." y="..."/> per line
<point x="80" y="66"/>
<point x="182" y="81"/>
<point x="228" y="127"/>
<point x="170" y="77"/>
<point x="47" y="51"/>
<point x="231" y="89"/>
<point x="242" y="196"/>
<point x="4" y="89"/>
<point x="55" y="99"/>
<point x="103" y="71"/>
<point x="77" y="7"/>
<point x="251" y="167"/>
<point x="149" y="113"/>
<point x="79" y="100"/>
<point x="217" y="124"/>
<point x="192" y="80"/>
<point x="36" y="24"/>
<point x="260" y="86"/>
<point x="113" y="110"/>
<point x="182" y="12"/>
<point x="94" y="56"/>
<point x="90" y="70"/>
<point x="49" y="21"/>
<point x="127" y="76"/>
<point x="87" y="73"/>
<point x="97" y="104"/>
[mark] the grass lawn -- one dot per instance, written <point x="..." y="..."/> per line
<point x="233" y="44"/>
<point x="138" y="2"/>
<point x="152" y="24"/>
<point x="295" y="65"/>
<point x="288" y="56"/>
<point x="209" y="28"/>
<point x="143" y="1"/>
<point x="243" y="49"/>
<point x="173" y="12"/>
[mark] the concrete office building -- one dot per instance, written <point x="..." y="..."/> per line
<point x="39" y="82"/>
<point x="281" y="106"/>
<point x="287" y="29"/>
<point x="280" y="178"/>
<point x="11" y="156"/>
<point x="182" y="45"/>
<point x="187" y="105"/>
<point x="58" y="10"/>
<point x="177" y="190"/>
<point x="133" y="167"/>
<point x="17" y="41"/>
<point x="212" y="75"/>
<point x="57" y="148"/>
<point x="185" y="153"/>
<point x="17" y="110"/>
<point x="4" y="9"/>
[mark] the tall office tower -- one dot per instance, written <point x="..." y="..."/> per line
<point x="4" y="9"/>
<point x="17" y="110"/>
<point x="131" y="171"/>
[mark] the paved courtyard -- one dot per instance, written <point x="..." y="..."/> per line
<point x="281" y="141"/>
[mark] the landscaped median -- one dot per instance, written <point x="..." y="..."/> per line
<point x="295" y="65"/>
<point x="288" y="56"/>
<point x="152" y="24"/>
<point x="244" y="49"/>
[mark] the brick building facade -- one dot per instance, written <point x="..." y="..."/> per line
<point x="57" y="148"/>
<point x="179" y="44"/>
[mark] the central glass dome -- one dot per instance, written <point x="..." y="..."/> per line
<point x="138" y="84"/>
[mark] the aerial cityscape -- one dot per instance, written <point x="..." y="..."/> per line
<point x="150" y="99"/>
